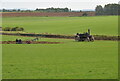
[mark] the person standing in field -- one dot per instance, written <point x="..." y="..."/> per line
<point x="19" y="41"/>
<point x="16" y="41"/>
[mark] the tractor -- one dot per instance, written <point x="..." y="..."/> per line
<point x="84" y="37"/>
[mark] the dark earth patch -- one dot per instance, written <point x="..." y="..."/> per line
<point x="31" y="42"/>
<point x="97" y="37"/>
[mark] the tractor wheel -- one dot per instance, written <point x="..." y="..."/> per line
<point x="77" y="39"/>
<point x="92" y="39"/>
<point x="88" y="39"/>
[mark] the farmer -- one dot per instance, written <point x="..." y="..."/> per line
<point x="16" y="41"/>
<point x="19" y="41"/>
<point x="77" y="35"/>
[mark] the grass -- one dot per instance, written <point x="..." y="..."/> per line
<point x="13" y="38"/>
<point x="101" y="25"/>
<point x="70" y="60"/>
<point x="0" y="59"/>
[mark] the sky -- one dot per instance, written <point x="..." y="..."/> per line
<point x="72" y="4"/>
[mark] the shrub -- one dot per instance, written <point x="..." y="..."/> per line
<point x="6" y="29"/>
<point x="19" y="29"/>
<point x="84" y="14"/>
<point x="13" y="29"/>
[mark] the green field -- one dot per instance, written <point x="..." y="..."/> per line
<point x="102" y="25"/>
<point x="69" y="60"/>
<point x="85" y="60"/>
<point x="13" y="38"/>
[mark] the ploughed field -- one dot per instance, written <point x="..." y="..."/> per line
<point x="47" y="14"/>
<point x="66" y="60"/>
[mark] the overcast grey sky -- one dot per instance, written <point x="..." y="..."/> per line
<point x="73" y="4"/>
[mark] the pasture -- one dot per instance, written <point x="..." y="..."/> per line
<point x="84" y="60"/>
<point x="99" y="25"/>
<point x="69" y="60"/>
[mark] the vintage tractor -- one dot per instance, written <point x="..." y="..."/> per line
<point x="84" y="37"/>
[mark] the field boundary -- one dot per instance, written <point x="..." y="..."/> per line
<point x="97" y="37"/>
<point x="47" y="14"/>
<point x="32" y="42"/>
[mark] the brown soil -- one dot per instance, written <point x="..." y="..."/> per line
<point x="97" y="37"/>
<point x="70" y="14"/>
<point x="32" y="42"/>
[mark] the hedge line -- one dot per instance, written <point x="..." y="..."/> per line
<point x="97" y="37"/>
<point x="12" y="29"/>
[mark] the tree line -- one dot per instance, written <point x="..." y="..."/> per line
<point x="15" y="10"/>
<point x="38" y="10"/>
<point x="109" y="9"/>
<point x="54" y="10"/>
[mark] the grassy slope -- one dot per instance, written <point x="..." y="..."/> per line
<point x="103" y="25"/>
<point x="69" y="60"/>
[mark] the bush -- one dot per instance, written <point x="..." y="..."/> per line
<point x="6" y="29"/>
<point x="84" y="14"/>
<point x="13" y="29"/>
